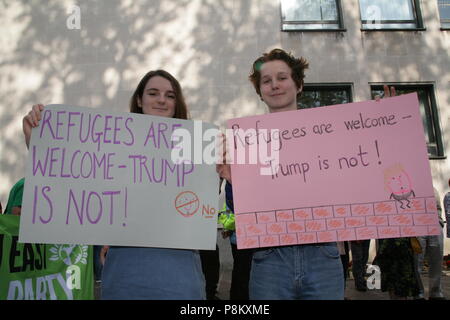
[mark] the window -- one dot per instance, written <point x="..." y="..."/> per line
<point x="311" y="15"/>
<point x="428" y="111"/>
<point x="444" y="12"/>
<point x="390" y="14"/>
<point x="324" y="95"/>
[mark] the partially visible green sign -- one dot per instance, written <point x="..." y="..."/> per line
<point x="43" y="271"/>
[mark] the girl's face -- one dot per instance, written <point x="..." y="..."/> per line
<point x="158" y="98"/>
<point x="278" y="89"/>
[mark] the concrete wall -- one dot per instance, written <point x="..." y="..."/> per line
<point x="208" y="45"/>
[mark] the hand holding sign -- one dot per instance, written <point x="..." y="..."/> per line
<point x="31" y="120"/>
<point x="388" y="92"/>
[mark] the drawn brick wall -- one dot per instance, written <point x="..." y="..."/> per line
<point x="346" y="222"/>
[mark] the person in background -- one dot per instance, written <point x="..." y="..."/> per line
<point x="447" y="210"/>
<point x="14" y="204"/>
<point x="98" y="266"/>
<point x="242" y="259"/>
<point x="360" y="256"/>
<point x="433" y="250"/>
<point x="395" y="258"/>
<point x="344" y="251"/>
<point x="211" y="270"/>
<point x="211" y="267"/>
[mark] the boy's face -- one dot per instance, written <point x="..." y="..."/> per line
<point x="278" y="89"/>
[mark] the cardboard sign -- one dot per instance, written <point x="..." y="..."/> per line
<point x="96" y="177"/>
<point x="338" y="173"/>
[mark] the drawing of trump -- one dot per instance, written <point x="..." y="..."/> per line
<point x="398" y="183"/>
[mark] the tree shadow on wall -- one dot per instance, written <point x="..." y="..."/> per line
<point x="207" y="45"/>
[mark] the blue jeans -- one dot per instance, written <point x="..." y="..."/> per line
<point x="152" y="274"/>
<point x="306" y="272"/>
<point x="432" y="248"/>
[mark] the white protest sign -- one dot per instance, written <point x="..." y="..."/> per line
<point x="108" y="178"/>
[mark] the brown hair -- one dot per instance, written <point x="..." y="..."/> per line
<point x="297" y="65"/>
<point x="180" y="105"/>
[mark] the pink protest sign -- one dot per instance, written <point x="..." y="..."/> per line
<point x="338" y="173"/>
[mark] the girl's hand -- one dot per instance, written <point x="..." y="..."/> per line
<point x="31" y="120"/>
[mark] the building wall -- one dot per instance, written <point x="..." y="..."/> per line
<point x="208" y="45"/>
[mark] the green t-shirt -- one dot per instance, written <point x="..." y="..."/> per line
<point x="15" y="196"/>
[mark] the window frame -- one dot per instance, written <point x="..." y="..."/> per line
<point x="347" y="86"/>
<point x="340" y="22"/>
<point x="441" y="20"/>
<point x="418" y="21"/>
<point x="430" y="87"/>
